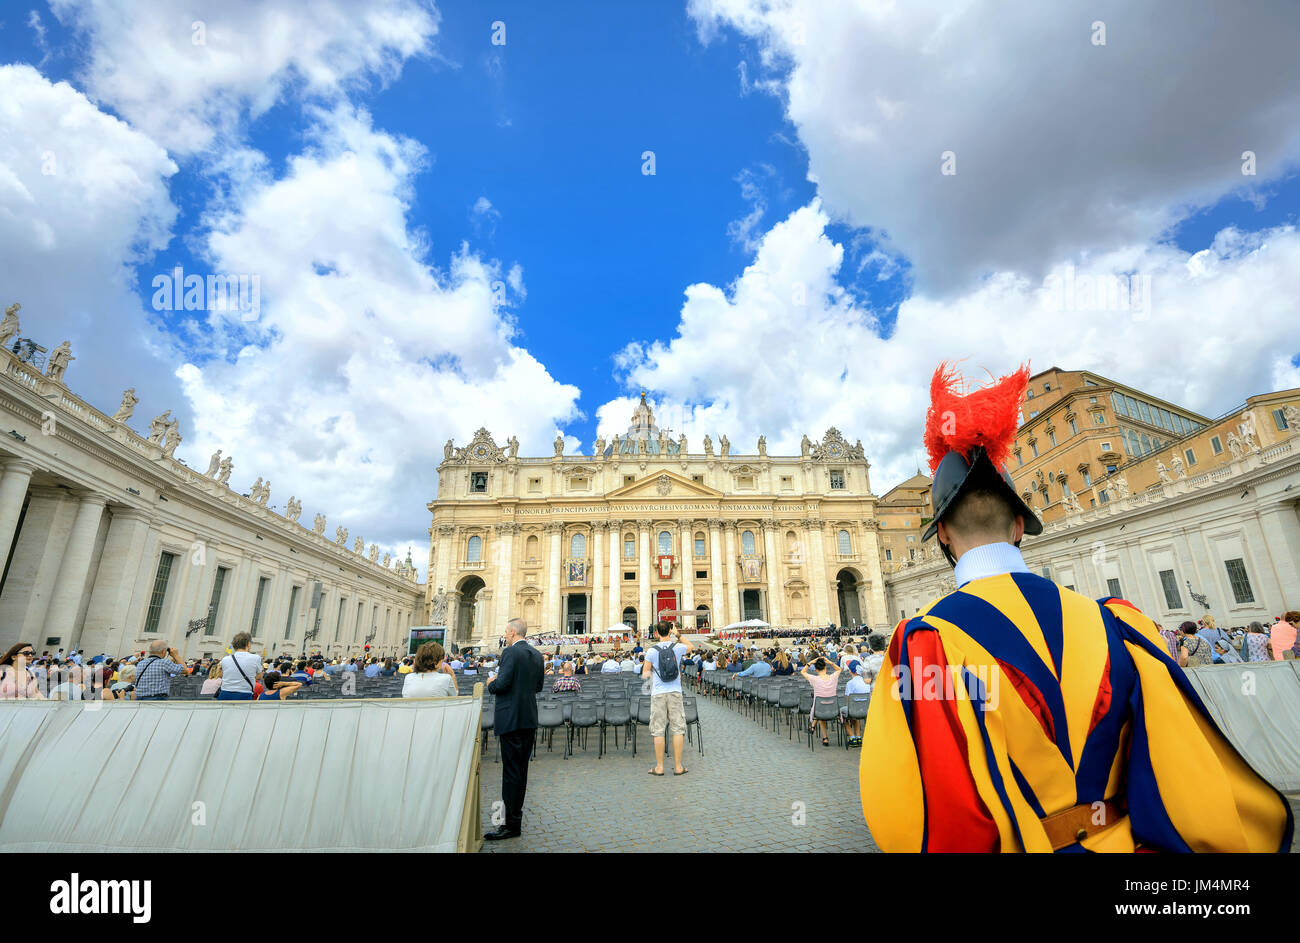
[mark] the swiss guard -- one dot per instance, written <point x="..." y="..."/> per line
<point x="1018" y="715"/>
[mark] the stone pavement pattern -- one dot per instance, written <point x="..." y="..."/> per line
<point x="738" y="796"/>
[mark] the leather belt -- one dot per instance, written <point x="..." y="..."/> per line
<point x="1081" y="821"/>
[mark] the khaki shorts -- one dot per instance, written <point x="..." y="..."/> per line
<point x="666" y="711"/>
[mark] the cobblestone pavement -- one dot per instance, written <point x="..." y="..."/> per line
<point x="739" y="796"/>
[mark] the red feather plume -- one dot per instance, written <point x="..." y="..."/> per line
<point x="988" y="417"/>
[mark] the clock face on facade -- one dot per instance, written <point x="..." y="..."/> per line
<point x="835" y="450"/>
<point x="480" y="451"/>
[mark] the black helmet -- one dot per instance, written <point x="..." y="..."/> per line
<point x="956" y="475"/>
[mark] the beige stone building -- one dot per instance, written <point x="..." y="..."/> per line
<point x="111" y="542"/>
<point x="576" y="543"/>
<point x="1204" y="520"/>
<point x="904" y="511"/>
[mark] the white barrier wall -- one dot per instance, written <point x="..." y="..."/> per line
<point x="1257" y="705"/>
<point x="186" y="776"/>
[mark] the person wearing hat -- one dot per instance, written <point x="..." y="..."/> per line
<point x="1022" y="716"/>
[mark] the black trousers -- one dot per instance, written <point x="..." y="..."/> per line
<point x="516" y="747"/>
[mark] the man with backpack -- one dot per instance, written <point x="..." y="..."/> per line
<point x="663" y="668"/>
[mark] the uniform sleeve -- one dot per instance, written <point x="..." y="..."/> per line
<point x="956" y="818"/>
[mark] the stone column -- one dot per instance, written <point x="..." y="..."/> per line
<point x="34" y="568"/>
<point x="554" y="619"/>
<point x="688" y="569"/>
<point x="505" y="592"/>
<point x="1281" y="543"/>
<point x="717" y="605"/>
<point x="644" y="615"/>
<point x="75" y="568"/>
<point x="446" y="549"/>
<point x="772" y="564"/>
<point x="615" y="611"/>
<point x="876" y="615"/>
<point x="14" y="479"/>
<point x="599" y="597"/>
<point x="820" y="578"/>
<point x="116" y="583"/>
<point x="729" y="565"/>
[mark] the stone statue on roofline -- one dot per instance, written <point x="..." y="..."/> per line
<point x="129" y="401"/>
<point x="762" y="445"/>
<point x="223" y="473"/>
<point x="57" y="365"/>
<point x="9" y="326"/>
<point x="158" y="427"/>
<point x="513" y="443"/>
<point x="214" y="464"/>
<point x="318" y="524"/>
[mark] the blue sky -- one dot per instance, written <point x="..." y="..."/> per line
<point x="796" y="261"/>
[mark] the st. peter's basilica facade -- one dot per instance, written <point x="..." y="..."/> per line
<point x="575" y="544"/>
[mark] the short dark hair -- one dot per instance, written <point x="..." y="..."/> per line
<point x="1188" y="628"/>
<point x="241" y="641"/>
<point x="980" y="510"/>
<point x="663" y="628"/>
<point x="270" y="680"/>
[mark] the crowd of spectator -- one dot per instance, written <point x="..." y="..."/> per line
<point x="1194" y="644"/>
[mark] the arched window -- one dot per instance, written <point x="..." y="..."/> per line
<point x="747" y="543"/>
<point x="665" y="542"/>
<point x="474" y="552"/>
<point x="578" y="547"/>
<point x="701" y="617"/>
<point x="530" y="547"/>
<point x="846" y="545"/>
<point x="699" y="544"/>
<point x="629" y="547"/>
<point x="629" y="617"/>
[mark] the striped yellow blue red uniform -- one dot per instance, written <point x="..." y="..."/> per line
<point x="1056" y="700"/>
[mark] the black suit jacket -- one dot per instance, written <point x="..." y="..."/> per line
<point x="516" y="686"/>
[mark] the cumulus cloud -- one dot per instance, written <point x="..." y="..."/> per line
<point x="185" y="73"/>
<point x="785" y="351"/>
<point x="83" y="199"/>
<point x="1060" y="146"/>
<point x="369" y="353"/>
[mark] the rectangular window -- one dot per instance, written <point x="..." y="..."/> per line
<point x="1103" y="497"/>
<point x="628" y="479"/>
<point x="1170" y="585"/>
<point x="154" y="615"/>
<point x="534" y="484"/>
<point x="787" y="483"/>
<point x="837" y="480"/>
<point x="293" y="607"/>
<point x="1033" y="413"/>
<point x="745" y="483"/>
<point x="699" y="546"/>
<point x="889" y="554"/>
<point x="1105" y="446"/>
<point x="1146" y="412"/>
<point x="478" y="482"/>
<point x="214" y="604"/>
<point x="1240" y="581"/>
<point x="1047" y="572"/>
<point x="1033" y="447"/>
<point x="1029" y="393"/>
<point x="262" y="584"/>
<point x="1216" y="445"/>
<point x="1117" y="401"/>
<point x="1074" y="427"/>
<point x="356" y="626"/>
<point x="701" y="574"/>
<point x="698" y="479"/>
<point x="1190" y="456"/>
<point x="1087" y="480"/>
<point x="338" y="620"/>
<point x="1279" y="420"/>
<point x="1019" y="460"/>
<point x="1052" y="438"/>
<point x="1112" y="587"/>
<point x="629" y="549"/>
<point x="628" y="575"/>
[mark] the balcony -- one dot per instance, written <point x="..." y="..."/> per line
<point x="473" y="565"/>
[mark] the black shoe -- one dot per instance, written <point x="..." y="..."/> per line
<point x="501" y="833"/>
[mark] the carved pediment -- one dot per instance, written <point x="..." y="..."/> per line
<point x="833" y="448"/>
<point x="663" y="485"/>
<point x="480" y="451"/>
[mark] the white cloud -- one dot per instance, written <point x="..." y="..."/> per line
<point x="187" y="72"/>
<point x="1221" y="327"/>
<point x="1061" y="146"/>
<point x="83" y="198"/>
<point x="368" y="356"/>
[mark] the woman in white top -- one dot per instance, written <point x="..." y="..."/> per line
<point x="431" y="677"/>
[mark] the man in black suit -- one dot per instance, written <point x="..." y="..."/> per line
<point x="517" y="683"/>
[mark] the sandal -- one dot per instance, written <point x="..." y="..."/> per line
<point x="653" y="773"/>
<point x="682" y="773"/>
<point x="825" y="742"/>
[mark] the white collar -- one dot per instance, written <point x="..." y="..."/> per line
<point x="989" y="560"/>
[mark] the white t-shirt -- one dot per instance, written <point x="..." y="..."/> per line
<point x="429" y="684"/>
<point x="857" y="685"/>
<point x="610" y="666"/>
<point x="231" y="680"/>
<point x="653" y="654"/>
<point x="710" y="666"/>
<point x="628" y="665"/>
